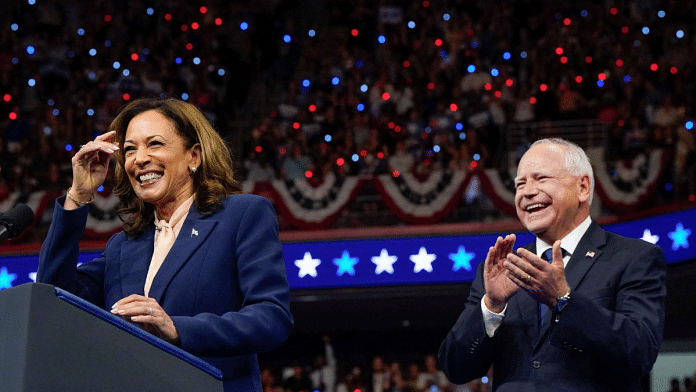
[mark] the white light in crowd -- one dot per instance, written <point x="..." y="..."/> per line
<point x="184" y="97"/>
<point x="364" y="88"/>
<point x="126" y="72"/>
<point x="150" y="11"/>
<point x="661" y="14"/>
<point x="116" y="65"/>
<point x="32" y="82"/>
<point x="90" y="112"/>
<point x="446" y="16"/>
<point x="92" y="52"/>
<point x="312" y="33"/>
<point x="47" y="130"/>
<point x="14" y="27"/>
<point x="680" y="33"/>
<point x="31" y="2"/>
<point x="355" y="157"/>
<point x="477" y="157"/>
<point x="411" y="24"/>
<point x="221" y="72"/>
<point x="196" y="60"/>
<point x="80" y="31"/>
<point x="646" y="30"/>
<point x="327" y="138"/>
<point x="436" y="148"/>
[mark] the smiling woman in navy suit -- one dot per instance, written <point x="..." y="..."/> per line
<point x="197" y="263"/>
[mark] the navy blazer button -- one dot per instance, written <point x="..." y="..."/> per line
<point x="536" y="364"/>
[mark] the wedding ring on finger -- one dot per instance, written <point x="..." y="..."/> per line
<point x="528" y="278"/>
<point x="150" y="309"/>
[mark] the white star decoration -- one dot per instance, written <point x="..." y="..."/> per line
<point x="384" y="262"/>
<point x="649" y="237"/>
<point x="423" y="260"/>
<point x="307" y="266"/>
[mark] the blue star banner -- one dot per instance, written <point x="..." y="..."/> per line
<point x="409" y="260"/>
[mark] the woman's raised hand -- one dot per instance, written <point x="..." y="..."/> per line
<point x="90" y="165"/>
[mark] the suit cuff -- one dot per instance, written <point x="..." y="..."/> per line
<point x="491" y="320"/>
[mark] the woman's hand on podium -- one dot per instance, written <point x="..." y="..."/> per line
<point x="149" y="315"/>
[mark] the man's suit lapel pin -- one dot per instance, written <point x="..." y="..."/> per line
<point x="589" y="253"/>
<point x="194" y="232"/>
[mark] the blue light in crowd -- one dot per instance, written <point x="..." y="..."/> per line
<point x="306" y="83"/>
<point x="30" y="49"/>
<point x="80" y="31"/>
<point x="361" y="107"/>
<point x="221" y="72"/>
<point x="484" y="379"/>
<point x="459" y="126"/>
<point x="150" y="11"/>
<point x="411" y="24"/>
<point x="68" y="147"/>
<point x="583" y="13"/>
<point x="185" y="96"/>
<point x="428" y="129"/>
<point x="506" y="56"/>
<point x="627" y="78"/>
<point x="101" y="188"/>
<point x="669" y="187"/>
<point x="355" y="157"/>
<point x="327" y="138"/>
<point x="14" y="27"/>
<point x="462" y="135"/>
<point x="90" y="112"/>
<point x="32" y="82"/>
<point x="645" y="30"/>
<point x="51" y="102"/>
<point x="475" y="44"/>
<point x="636" y="43"/>
<point x="71" y="54"/>
<point x="689" y="125"/>
<point x="15" y="60"/>
<point x="335" y="80"/>
<point x="287" y="39"/>
<point x="600" y="83"/>
<point x="126" y="72"/>
<point x="680" y="34"/>
<point x="477" y="157"/>
<point x="558" y="15"/>
<point x="471" y="68"/>
<point x="436" y="148"/>
<point x="446" y="17"/>
<point x="107" y="43"/>
<point x="359" y="63"/>
<point x="244" y="25"/>
<point x="312" y="33"/>
<point x="381" y="39"/>
<point x="31" y="2"/>
<point x="661" y="14"/>
<point x="495" y="72"/>
<point x="364" y="88"/>
<point x="116" y="65"/>
<point x="145" y="51"/>
<point x="523" y="54"/>
<point x="55" y="112"/>
<point x="196" y="60"/>
<point x="92" y="52"/>
<point x="178" y="60"/>
<point x="47" y="130"/>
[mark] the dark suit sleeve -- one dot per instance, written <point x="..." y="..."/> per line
<point x="467" y="352"/>
<point x="58" y="256"/>
<point x="627" y="338"/>
<point x="264" y="320"/>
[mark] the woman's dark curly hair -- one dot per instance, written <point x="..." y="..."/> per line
<point x="213" y="180"/>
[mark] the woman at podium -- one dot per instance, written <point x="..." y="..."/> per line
<point x="197" y="264"/>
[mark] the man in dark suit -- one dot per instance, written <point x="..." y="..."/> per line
<point x="588" y="319"/>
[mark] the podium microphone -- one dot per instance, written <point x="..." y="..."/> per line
<point x="15" y="221"/>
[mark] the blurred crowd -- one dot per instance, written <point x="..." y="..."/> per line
<point x="302" y="88"/>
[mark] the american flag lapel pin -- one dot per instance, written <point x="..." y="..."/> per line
<point x="589" y="253"/>
<point x="194" y="232"/>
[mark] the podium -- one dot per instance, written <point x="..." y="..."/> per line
<point x="51" y="340"/>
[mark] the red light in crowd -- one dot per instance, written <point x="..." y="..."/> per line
<point x="653" y="67"/>
<point x="613" y="11"/>
<point x="407" y="64"/>
<point x="134" y="56"/>
<point x="363" y="153"/>
<point x="488" y="86"/>
<point x="308" y="174"/>
<point x="431" y="86"/>
<point x="397" y="129"/>
<point x="621" y="123"/>
<point x="258" y="149"/>
<point x="396" y="173"/>
<point x="13" y="116"/>
<point x="296" y="125"/>
<point x="126" y="97"/>
<point x="194" y="25"/>
<point x="564" y="60"/>
<point x="354" y="32"/>
<point x="426" y="4"/>
<point x="692" y="197"/>
<point x="380" y="155"/>
<point x="312" y="108"/>
<point x="473" y="164"/>
<point x="107" y="18"/>
<point x="282" y="151"/>
<point x="470" y="32"/>
<point x="424" y="135"/>
<point x="273" y="114"/>
<point x="578" y="79"/>
<point x="340" y="161"/>
<point x="218" y="21"/>
<point x="619" y="63"/>
<point x="453" y="107"/>
<point x="543" y="87"/>
<point x="438" y="42"/>
<point x="532" y="100"/>
<point x="184" y="27"/>
<point x="189" y="46"/>
<point x="386" y="96"/>
<point x="508" y="82"/>
<point x="498" y="94"/>
<point x="566" y="21"/>
<point x="7" y="97"/>
<point x="602" y="76"/>
<point x="167" y="17"/>
<point x="391" y="125"/>
<point x="559" y="51"/>
<point x="624" y="29"/>
<point x="588" y="59"/>
<point x="673" y="70"/>
<point x="203" y="10"/>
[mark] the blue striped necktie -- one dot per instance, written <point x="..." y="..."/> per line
<point x="543" y="308"/>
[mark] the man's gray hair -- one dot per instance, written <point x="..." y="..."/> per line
<point x="576" y="160"/>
